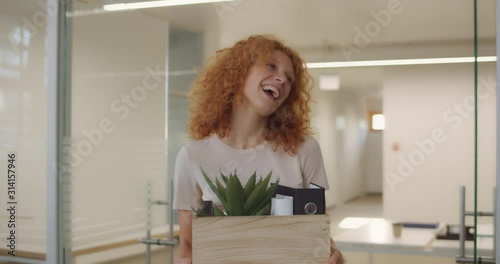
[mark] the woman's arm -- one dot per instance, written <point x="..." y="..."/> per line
<point x="185" y="251"/>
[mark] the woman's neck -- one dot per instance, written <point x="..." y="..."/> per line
<point x="247" y="130"/>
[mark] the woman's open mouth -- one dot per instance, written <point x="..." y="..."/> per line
<point x="272" y="91"/>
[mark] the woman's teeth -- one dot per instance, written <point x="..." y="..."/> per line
<point x="273" y="91"/>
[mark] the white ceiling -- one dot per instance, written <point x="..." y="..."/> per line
<point x="317" y="22"/>
<point x="320" y="26"/>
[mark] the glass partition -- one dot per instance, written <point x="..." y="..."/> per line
<point x="24" y="70"/>
<point x="486" y="131"/>
<point x="118" y="189"/>
<point x="130" y="75"/>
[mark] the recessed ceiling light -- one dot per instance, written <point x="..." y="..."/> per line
<point x="346" y="64"/>
<point x="329" y="82"/>
<point x="160" y="3"/>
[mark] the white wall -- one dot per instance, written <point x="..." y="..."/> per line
<point x="432" y="104"/>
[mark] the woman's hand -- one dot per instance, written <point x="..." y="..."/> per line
<point x="336" y="257"/>
<point x="183" y="261"/>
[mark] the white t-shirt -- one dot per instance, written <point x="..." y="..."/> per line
<point x="214" y="156"/>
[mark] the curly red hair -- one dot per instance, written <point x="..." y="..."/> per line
<point x="220" y="85"/>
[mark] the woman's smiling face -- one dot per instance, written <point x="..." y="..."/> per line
<point x="267" y="86"/>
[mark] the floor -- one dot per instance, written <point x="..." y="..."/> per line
<point x="159" y="256"/>
<point x="366" y="206"/>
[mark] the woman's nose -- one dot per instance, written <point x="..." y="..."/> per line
<point x="281" y="77"/>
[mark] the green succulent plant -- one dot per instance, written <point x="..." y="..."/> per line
<point x="252" y="199"/>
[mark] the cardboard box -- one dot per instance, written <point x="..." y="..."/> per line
<point x="301" y="239"/>
<point x="305" y="200"/>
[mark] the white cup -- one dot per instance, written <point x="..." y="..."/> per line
<point x="282" y="206"/>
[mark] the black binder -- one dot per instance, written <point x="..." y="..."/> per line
<point x="305" y="200"/>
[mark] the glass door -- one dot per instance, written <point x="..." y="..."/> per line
<point x="26" y="69"/>
<point x="485" y="141"/>
<point x="130" y="72"/>
<point x="118" y="191"/>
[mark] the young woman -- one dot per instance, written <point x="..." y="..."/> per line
<point x="250" y="112"/>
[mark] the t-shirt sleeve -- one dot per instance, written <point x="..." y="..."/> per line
<point x="187" y="193"/>
<point x="313" y="168"/>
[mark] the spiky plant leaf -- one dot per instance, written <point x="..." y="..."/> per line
<point x="270" y="192"/>
<point x="266" y="210"/>
<point x="224" y="178"/>
<point x="222" y="197"/>
<point x="256" y="197"/>
<point x="235" y="196"/>
<point x="250" y="184"/>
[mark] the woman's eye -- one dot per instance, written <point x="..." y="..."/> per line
<point x="271" y="66"/>
<point x="290" y="80"/>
